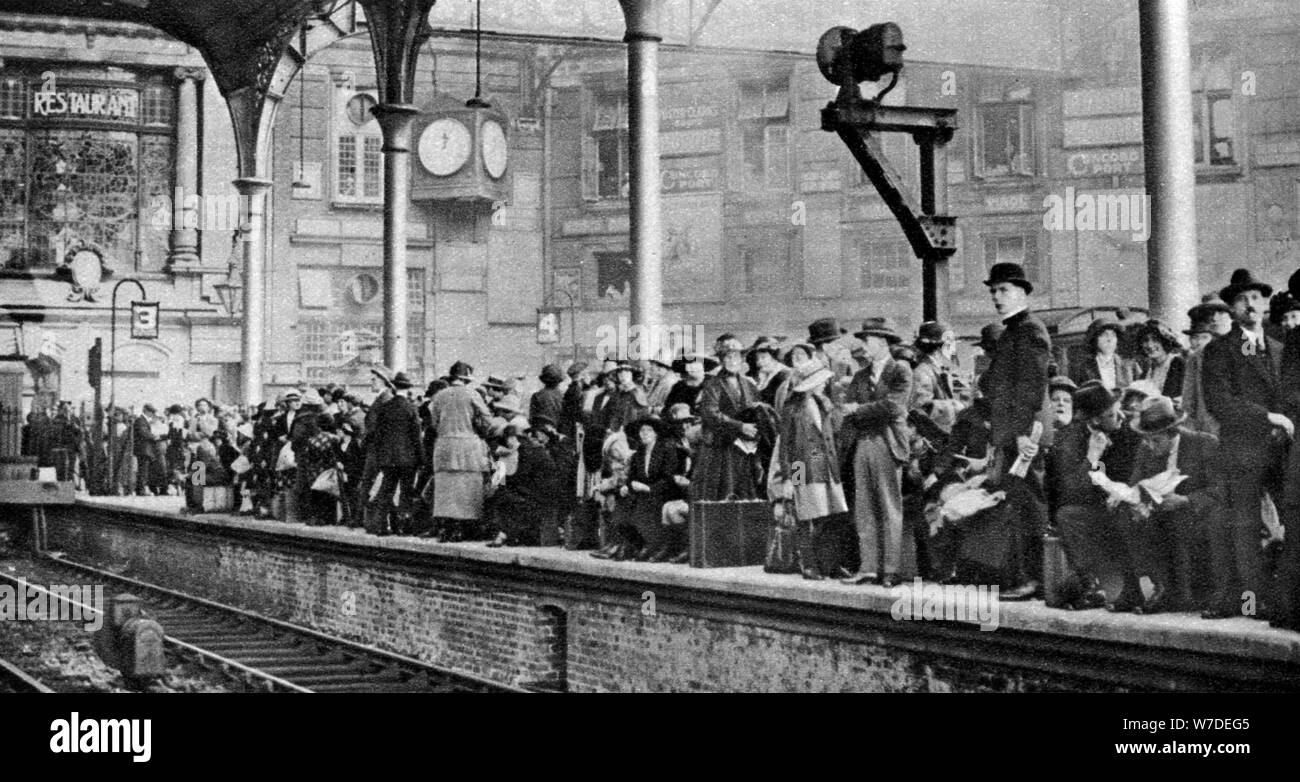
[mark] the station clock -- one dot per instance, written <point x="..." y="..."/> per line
<point x="462" y="152"/>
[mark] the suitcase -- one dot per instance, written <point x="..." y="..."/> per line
<point x="582" y="527"/>
<point x="729" y="533"/>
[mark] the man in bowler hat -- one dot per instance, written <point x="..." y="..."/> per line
<point x="1244" y="394"/>
<point x="1016" y="385"/>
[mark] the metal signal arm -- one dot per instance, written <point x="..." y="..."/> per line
<point x="931" y="233"/>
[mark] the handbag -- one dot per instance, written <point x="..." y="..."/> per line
<point x="287" y="460"/>
<point x="782" y="553"/>
<point x="327" y="482"/>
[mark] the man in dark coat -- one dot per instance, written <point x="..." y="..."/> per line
<point x="1286" y="612"/>
<point x="397" y="450"/>
<point x="880" y="394"/>
<point x="525" y="502"/>
<point x="1162" y="536"/>
<point x="549" y="402"/>
<point x="144" y="444"/>
<point x="1016" y="385"/>
<point x="728" y="459"/>
<point x="571" y="405"/>
<point x="1244" y="394"/>
<point x="1089" y="527"/>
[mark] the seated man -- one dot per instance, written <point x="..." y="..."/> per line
<point x="1161" y="530"/>
<point x="1089" y="527"/>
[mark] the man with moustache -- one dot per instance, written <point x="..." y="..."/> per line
<point x="1244" y="394"/>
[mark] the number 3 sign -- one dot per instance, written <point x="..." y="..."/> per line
<point x="144" y="320"/>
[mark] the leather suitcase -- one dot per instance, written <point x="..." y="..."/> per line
<point x="729" y="533"/>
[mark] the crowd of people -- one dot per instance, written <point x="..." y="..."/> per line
<point x="1153" y="456"/>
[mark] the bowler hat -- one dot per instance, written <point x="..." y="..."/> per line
<point x="1092" y="399"/>
<point x="878" y="327"/>
<point x="401" y="381"/>
<point x="930" y="334"/>
<point x="1013" y="273"/>
<point x="825" y="330"/>
<point x="989" y="336"/>
<point x="1156" y="415"/>
<point x="1240" y="282"/>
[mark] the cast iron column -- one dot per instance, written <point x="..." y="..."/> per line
<point x="251" y="350"/>
<point x="1172" y="278"/>
<point x="643" y="37"/>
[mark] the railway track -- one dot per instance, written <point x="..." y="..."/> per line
<point x="272" y="655"/>
<point x="13" y="679"/>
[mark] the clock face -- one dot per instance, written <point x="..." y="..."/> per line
<point x="444" y="146"/>
<point x="495" y="152"/>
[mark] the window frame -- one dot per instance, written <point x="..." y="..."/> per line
<point x="1034" y="264"/>
<point x="597" y="132"/>
<point x="359" y="137"/>
<point x="1026" y="109"/>
<point x="765" y="119"/>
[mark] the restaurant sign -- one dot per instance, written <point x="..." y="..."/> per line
<point x="87" y="102"/>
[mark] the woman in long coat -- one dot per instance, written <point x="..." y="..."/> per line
<point x="460" y="456"/>
<point x="805" y="465"/>
<point x="726" y="467"/>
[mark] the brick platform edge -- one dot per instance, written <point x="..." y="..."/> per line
<point x="563" y="620"/>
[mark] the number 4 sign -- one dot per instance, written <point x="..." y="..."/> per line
<point x="144" y="320"/>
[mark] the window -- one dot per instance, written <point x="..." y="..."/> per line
<point x="765" y="133"/>
<point x="84" y="162"/>
<point x="1214" y="118"/>
<point x="1021" y="249"/>
<point x="884" y="265"/>
<point x="605" y="167"/>
<point x="1004" y="140"/>
<point x="415" y="347"/>
<point x="358" y="159"/>
<point x="763" y="262"/>
<point x="314" y="342"/>
<point x="415" y="290"/>
<point x="613" y="275"/>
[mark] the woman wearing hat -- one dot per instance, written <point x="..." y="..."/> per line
<point x="460" y="457"/>
<point x="1164" y="360"/>
<point x="684" y="433"/>
<point x="692" y="370"/>
<point x="650" y="476"/>
<point x="727" y="466"/>
<point x="1104" y="363"/>
<point x="805" y="467"/>
<point x="526" y="496"/>
<point x="766" y="370"/>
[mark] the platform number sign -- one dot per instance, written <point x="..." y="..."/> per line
<point x="548" y="326"/>
<point x="144" y="320"/>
